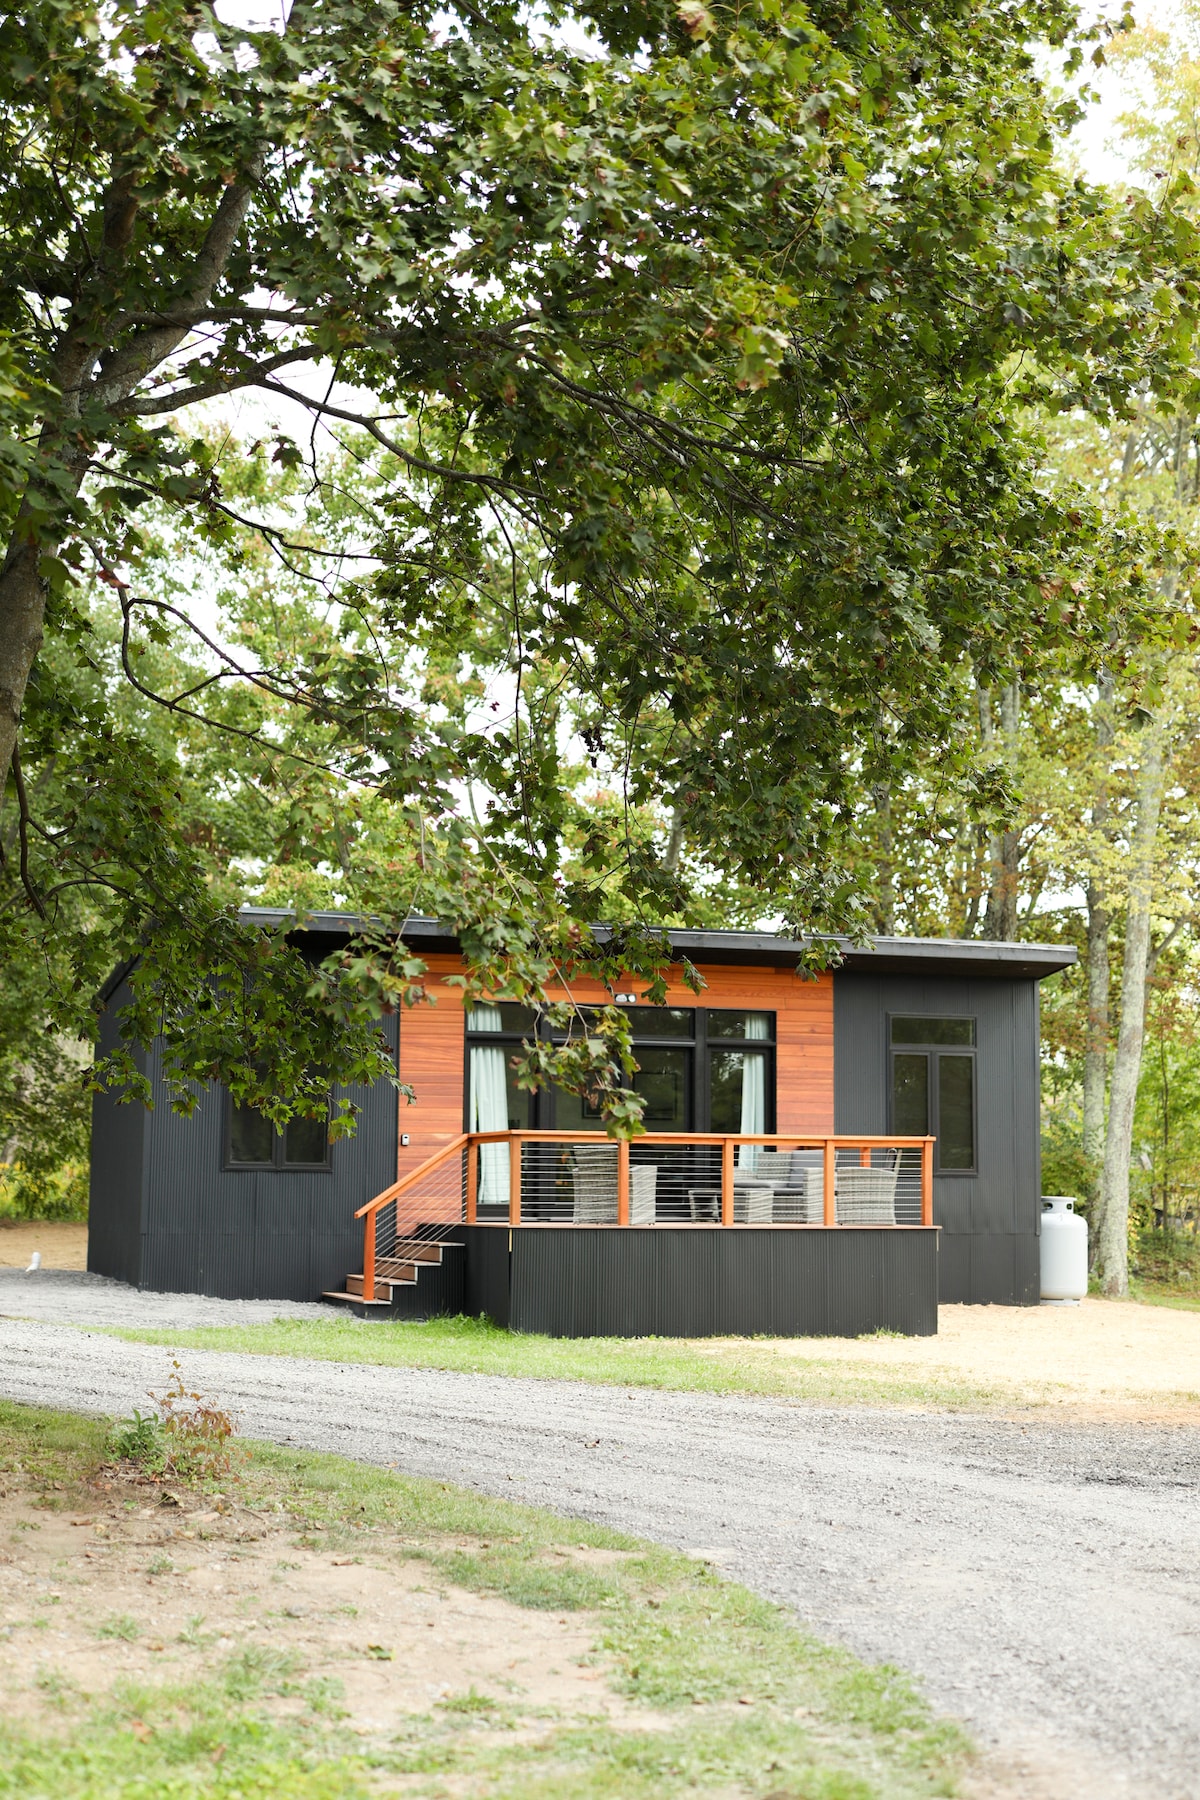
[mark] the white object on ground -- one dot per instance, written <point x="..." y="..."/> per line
<point x="35" y="1262"/>
<point x="1064" y="1252"/>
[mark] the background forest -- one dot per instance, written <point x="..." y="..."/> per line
<point x="1046" y="786"/>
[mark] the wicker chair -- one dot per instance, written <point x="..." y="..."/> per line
<point x="795" y="1180"/>
<point x="594" y="1177"/>
<point x="867" y="1196"/>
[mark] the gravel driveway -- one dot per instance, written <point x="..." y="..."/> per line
<point x="1043" y="1580"/>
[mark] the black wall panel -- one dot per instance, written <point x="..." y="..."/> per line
<point x="117" y="1185"/>
<point x="644" y="1282"/>
<point x="486" y="1290"/>
<point x="990" y="1221"/>
<point x="167" y="1217"/>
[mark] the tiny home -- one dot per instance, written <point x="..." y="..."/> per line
<point x="821" y="1156"/>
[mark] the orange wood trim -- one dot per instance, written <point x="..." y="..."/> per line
<point x="798" y="1140"/>
<point x="406" y="1181"/>
<point x="864" y="1157"/>
<point x="927" y="1182"/>
<point x="369" y="1257"/>
<point x="472" y="1180"/>
<point x="622" y="1181"/>
<point x="829" y="1172"/>
<point x="727" y="1182"/>
<point x="683" y="1225"/>
<point x="514" y="1178"/>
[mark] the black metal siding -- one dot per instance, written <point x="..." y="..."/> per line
<point x="679" y="1283"/>
<point x="486" y="1292"/>
<point x="117" y="1182"/>
<point x="990" y="1221"/>
<point x="240" y="1234"/>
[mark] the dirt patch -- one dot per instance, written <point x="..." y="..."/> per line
<point x="61" y="1244"/>
<point x="1045" y="1771"/>
<point x="150" y="1585"/>
<point x="1102" y="1359"/>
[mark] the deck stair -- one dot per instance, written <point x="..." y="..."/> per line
<point x="418" y="1278"/>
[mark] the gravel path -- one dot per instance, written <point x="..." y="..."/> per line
<point x="1042" y="1580"/>
<point x="68" y="1294"/>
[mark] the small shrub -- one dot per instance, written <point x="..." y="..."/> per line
<point x="472" y="1704"/>
<point x="120" y="1625"/>
<point x="257" y="1671"/>
<point x="139" y="1439"/>
<point x="196" y="1432"/>
<point x="188" y="1438"/>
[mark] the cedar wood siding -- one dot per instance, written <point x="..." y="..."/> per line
<point x="433" y="1052"/>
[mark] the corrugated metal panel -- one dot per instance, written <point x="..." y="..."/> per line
<point x="990" y="1221"/>
<point x="270" y="1234"/>
<point x="679" y="1283"/>
<point x="117" y="1171"/>
<point x="486" y="1291"/>
<point x="438" y="1291"/>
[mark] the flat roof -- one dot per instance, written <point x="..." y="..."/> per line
<point x="882" y="955"/>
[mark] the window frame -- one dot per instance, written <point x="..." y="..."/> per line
<point x="932" y="1054"/>
<point x="278" y="1141"/>
<point x="697" y="1042"/>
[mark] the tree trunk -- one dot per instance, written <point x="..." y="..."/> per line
<point x="674" y="847"/>
<point x="1095" y="1055"/>
<point x="1004" y="848"/>
<point x="1099" y="924"/>
<point x="1112" y="1247"/>
<point x="885" y="866"/>
<point x="85" y="361"/>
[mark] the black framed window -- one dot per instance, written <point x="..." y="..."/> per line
<point x="699" y="1069"/>
<point x="933" y="1087"/>
<point x="252" y="1142"/>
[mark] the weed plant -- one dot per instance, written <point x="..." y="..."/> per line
<point x="189" y="1437"/>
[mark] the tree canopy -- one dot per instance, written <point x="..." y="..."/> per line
<point x="685" y="350"/>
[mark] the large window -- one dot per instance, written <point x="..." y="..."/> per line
<point x="252" y="1142"/>
<point x="933" y="1087"/>
<point x="699" y="1069"/>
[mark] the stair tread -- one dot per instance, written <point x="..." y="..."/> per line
<point x="358" y="1299"/>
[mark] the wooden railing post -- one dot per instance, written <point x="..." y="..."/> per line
<point x="622" y="1181"/>
<point x="927" y="1182"/>
<point x="472" y="1180"/>
<point x="514" y="1180"/>
<point x="829" y="1174"/>
<point x="727" y="1181"/>
<point x="369" y="1257"/>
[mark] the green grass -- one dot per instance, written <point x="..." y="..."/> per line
<point x="1147" y="1293"/>
<point x="745" y="1366"/>
<point x="741" y="1701"/>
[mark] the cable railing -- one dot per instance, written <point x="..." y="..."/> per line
<point x="693" y="1179"/>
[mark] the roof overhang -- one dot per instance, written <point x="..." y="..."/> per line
<point x="964" y="957"/>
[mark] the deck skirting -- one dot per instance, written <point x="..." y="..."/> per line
<point x="656" y="1281"/>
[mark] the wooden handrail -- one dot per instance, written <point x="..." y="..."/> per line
<point x="800" y="1140"/>
<point x="431" y="1162"/>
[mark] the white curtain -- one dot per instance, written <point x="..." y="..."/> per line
<point x="489" y="1105"/>
<point x="754" y="1092"/>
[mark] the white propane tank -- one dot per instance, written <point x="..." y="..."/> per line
<point x="1064" y="1252"/>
